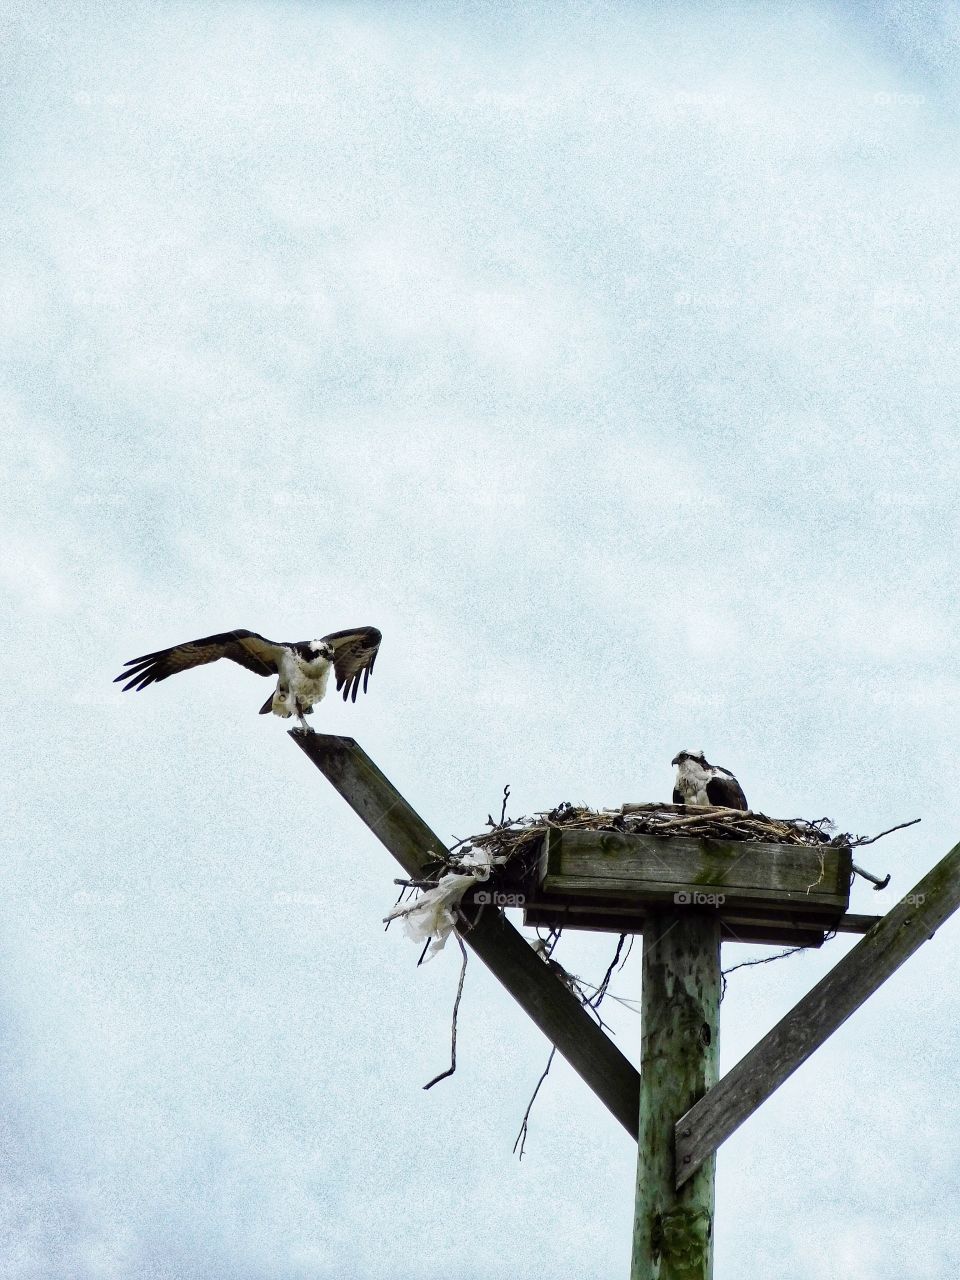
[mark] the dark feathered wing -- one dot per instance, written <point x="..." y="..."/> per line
<point x="354" y="653"/>
<point x="724" y="791"/>
<point x="254" y="652"/>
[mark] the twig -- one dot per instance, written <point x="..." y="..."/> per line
<point x="860" y="840"/>
<point x="389" y="919"/>
<point x="609" y="995"/>
<point x="601" y="991"/>
<point x="548" y="943"/>
<point x="469" y="924"/>
<point x="747" y="964"/>
<point x="503" y="809"/>
<point x="823" y="872"/>
<point x="712" y="814"/>
<point x="590" y="1003"/>
<point x="591" y="1009"/>
<point x="453" y="1026"/>
<point x="521" y="1141"/>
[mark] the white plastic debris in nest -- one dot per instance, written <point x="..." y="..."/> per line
<point x="434" y="913"/>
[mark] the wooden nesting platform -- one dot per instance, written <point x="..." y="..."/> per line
<point x="787" y="894"/>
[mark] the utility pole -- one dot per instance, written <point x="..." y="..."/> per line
<point x="685" y="897"/>
<point x="680" y="1019"/>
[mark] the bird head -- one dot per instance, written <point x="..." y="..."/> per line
<point x="324" y="649"/>
<point x="700" y="758"/>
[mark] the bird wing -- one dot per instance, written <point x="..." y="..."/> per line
<point x="677" y="796"/>
<point x="254" y="652"/>
<point x="354" y="653"/>
<point x="724" y="791"/>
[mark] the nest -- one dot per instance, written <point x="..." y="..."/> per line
<point x="509" y="838"/>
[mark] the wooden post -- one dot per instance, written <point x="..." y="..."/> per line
<point x="680" y="1004"/>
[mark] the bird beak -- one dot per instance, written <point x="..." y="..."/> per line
<point x="675" y="760"/>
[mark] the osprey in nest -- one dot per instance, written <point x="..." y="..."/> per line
<point x="699" y="782"/>
<point x="302" y="667"/>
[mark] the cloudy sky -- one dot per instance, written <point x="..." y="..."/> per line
<point x="604" y="356"/>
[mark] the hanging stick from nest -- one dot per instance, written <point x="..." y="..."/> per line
<point x="823" y="872"/>
<point x="521" y="1141"/>
<point x="601" y="991"/>
<point x="590" y="1003"/>
<point x="388" y="922"/>
<point x="748" y="964"/>
<point x="453" y="1027"/>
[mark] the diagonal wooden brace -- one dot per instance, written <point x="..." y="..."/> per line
<point x="851" y="981"/>
<point x="556" y="1010"/>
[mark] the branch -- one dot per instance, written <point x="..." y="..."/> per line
<point x="591" y="1003"/>
<point x="746" y="964"/>
<point x="596" y="999"/>
<point x="453" y="1028"/>
<point x="522" y="1135"/>
<point x="388" y="921"/>
<point x="861" y="840"/>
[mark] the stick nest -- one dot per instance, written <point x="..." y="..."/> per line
<point x="510" y="838"/>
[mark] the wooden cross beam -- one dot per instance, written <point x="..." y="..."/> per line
<point x="851" y="981"/>
<point x="536" y="988"/>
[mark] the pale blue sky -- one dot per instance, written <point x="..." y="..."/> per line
<point x="605" y="357"/>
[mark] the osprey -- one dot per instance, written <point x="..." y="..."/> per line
<point x="302" y="667"/>
<point x="699" y="782"/>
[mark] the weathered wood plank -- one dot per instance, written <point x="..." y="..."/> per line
<point x="680" y="1015"/>
<point x="853" y="923"/>
<point x="554" y="1009"/>
<point x="680" y="892"/>
<point x="734" y="862"/>
<point x="571" y="912"/>
<point x="610" y="920"/>
<point x="813" y="1019"/>
<point x="611" y="864"/>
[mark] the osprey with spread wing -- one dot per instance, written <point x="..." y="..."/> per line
<point x="699" y="782"/>
<point x="302" y="667"/>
